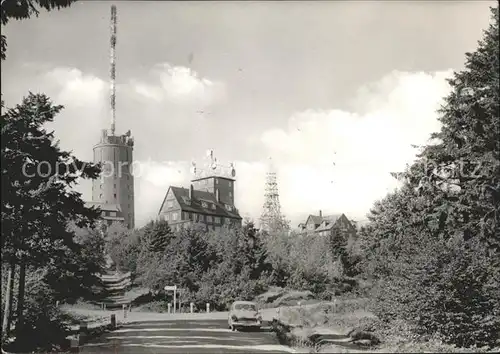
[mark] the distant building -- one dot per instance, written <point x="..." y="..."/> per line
<point x="328" y="225"/>
<point x="209" y="201"/>
<point x="110" y="213"/>
<point x="116" y="184"/>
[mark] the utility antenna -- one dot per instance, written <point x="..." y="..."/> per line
<point x="112" y="60"/>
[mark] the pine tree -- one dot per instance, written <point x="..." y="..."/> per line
<point x="435" y="243"/>
<point x="37" y="197"/>
<point x="159" y="235"/>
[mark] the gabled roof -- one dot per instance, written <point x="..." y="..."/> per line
<point x="195" y="206"/>
<point x="315" y="219"/>
<point x="104" y="206"/>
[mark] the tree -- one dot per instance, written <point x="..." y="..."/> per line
<point x="78" y="273"/>
<point x="37" y="197"/>
<point x="159" y="235"/>
<point x="24" y="9"/>
<point x="434" y="244"/>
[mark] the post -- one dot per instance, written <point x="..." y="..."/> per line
<point x="130" y="307"/>
<point x="191" y="307"/>
<point x="175" y="299"/>
<point x="208" y="307"/>
<point x="57" y="303"/>
<point x="82" y="333"/>
<point x="168" y="307"/>
<point x="124" y="307"/>
<point x="113" y="321"/>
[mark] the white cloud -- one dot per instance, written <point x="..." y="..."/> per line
<point x="75" y="87"/>
<point x="365" y="144"/>
<point x="180" y="85"/>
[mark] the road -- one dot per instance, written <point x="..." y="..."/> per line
<point x="184" y="336"/>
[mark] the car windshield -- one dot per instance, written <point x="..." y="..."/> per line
<point x="245" y="307"/>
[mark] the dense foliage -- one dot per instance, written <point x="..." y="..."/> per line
<point x="238" y="263"/>
<point x="434" y="244"/>
<point x="39" y="205"/>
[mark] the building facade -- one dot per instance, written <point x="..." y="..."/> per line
<point x="115" y="186"/>
<point x="184" y="207"/>
<point x="328" y="225"/>
<point x="209" y="200"/>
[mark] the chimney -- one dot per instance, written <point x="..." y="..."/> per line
<point x="191" y="192"/>
<point x="320" y="214"/>
<point x="217" y="195"/>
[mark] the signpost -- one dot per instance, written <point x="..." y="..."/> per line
<point x="174" y="289"/>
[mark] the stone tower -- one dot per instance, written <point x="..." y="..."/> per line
<point x="116" y="183"/>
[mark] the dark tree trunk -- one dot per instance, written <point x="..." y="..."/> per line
<point x="7" y="315"/>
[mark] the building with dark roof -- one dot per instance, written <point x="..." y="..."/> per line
<point x="110" y="213"/>
<point x="209" y="200"/>
<point x="328" y="225"/>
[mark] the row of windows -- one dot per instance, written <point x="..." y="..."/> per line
<point x="175" y="216"/>
<point x="204" y="204"/>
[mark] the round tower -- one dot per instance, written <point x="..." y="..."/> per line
<point x="115" y="185"/>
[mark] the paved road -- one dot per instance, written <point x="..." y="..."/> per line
<point x="184" y="336"/>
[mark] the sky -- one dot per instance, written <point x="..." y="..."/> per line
<point x="334" y="92"/>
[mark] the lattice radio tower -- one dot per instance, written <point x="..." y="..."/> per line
<point x="271" y="219"/>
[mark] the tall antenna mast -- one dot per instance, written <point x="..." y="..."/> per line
<point x="112" y="60"/>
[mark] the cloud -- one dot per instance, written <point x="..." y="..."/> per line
<point x="180" y="84"/>
<point x="334" y="160"/>
<point x="339" y="161"/>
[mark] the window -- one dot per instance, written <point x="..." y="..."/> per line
<point x="216" y="181"/>
<point x="114" y="186"/>
<point x="213" y="206"/>
<point x="204" y="205"/>
<point x="228" y="207"/>
<point x="167" y="216"/>
<point x="174" y="216"/>
<point x="170" y="204"/>
<point x="230" y="183"/>
<point x="100" y="186"/>
<point x="114" y="195"/>
<point x="209" y="218"/>
<point x="112" y="213"/>
<point x="200" y="217"/>
<point x="217" y="220"/>
<point x="100" y="195"/>
<point x="230" y="194"/>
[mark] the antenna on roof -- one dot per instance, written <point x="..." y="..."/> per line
<point x="112" y="59"/>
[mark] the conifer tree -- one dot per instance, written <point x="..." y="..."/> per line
<point x="435" y="243"/>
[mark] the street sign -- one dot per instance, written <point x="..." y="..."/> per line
<point x="170" y="288"/>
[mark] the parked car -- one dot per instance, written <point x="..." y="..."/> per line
<point x="244" y="314"/>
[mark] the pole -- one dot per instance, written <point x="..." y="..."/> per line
<point x="175" y="299"/>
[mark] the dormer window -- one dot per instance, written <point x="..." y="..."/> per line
<point x="213" y="206"/>
<point x="186" y="200"/>
<point x="228" y="207"/>
<point x="204" y="204"/>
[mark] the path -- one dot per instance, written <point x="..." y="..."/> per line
<point x="184" y="336"/>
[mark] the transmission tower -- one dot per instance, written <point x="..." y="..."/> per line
<point x="271" y="219"/>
